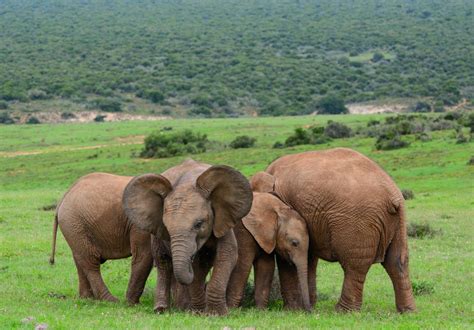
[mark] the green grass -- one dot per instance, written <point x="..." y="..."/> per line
<point x="436" y="171"/>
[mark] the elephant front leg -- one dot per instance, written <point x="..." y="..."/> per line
<point x="312" y="265"/>
<point x="264" y="269"/>
<point x="239" y="277"/>
<point x="224" y="262"/>
<point x="289" y="285"/>
<point x="197" y="288"/>
<point x="163" y="286"/>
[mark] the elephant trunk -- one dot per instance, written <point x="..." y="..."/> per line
<point x="302" y="269"/>
<point x="182" y="251"/>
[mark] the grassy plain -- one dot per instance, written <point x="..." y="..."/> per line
<point x="39" y="162"/>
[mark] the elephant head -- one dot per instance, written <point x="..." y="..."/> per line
<point x="198" y="205"/>
<point x="277" y="227"/>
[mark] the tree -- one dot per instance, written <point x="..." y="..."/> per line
<point x="332" y="104"/>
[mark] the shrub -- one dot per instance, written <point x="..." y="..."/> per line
<point x="99" y="118"/>
<point x="332" y="104"/>
<point x="33" y="120"/>
<point x="422" y="288"/>
<point x="243" y="141"/>
<point x="408" y="194"/>
<point x="299" y="137"/>
<point x="377" y="57"/>
<point x="279" y="145"/>
<point x="161" y="145"/>
<point x="108" y="105"/>
<point x="424" y="137"/>
<point x="6" y="119"/>
<point x="154" y="96"/>
<point x="37" y="94"/>
<point x="421" y="107"/>
<point x="3" y="105"/>
<point x="460" y="138"/>
<point x="390" y="141"/>
<point x="67" y="115"/>
<point x="337" y="130"/>
<point x="421" y="230"/>
<point x="470" y="162"/>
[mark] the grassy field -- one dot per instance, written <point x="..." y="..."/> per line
<point x="39" y="162"/>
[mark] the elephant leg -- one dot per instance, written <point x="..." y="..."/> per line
<point x="352" y="289"/>
<point x="289" y="285"/>
<point x="312" y="265"/>
<point x="224" y="262"/>
<point x="91" y="268"/>
<point x="197" y="288"/>
<point x="239" y="277"/>
<point x="396" y="265"/>
<point x="142" y="263"/>
<point x="164" y="275"/>
<point x="264" y="269"/>
<point x="85" y="290"/>
<point x="180" y="295"/>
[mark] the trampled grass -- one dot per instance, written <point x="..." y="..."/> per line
<point x="38" y="163"/>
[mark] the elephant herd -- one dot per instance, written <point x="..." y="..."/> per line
<point x="335" y="205"/>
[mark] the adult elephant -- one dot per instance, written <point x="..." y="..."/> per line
<point x="355" y="215"/>
<point x="92" y="220"/>
<point x="192" y="209"/>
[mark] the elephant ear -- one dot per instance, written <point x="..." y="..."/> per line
<point x="262" y="223"/>
<point x="262" y="182"/>
<point x="143" y="202"/>
<point x="230" y="195"/>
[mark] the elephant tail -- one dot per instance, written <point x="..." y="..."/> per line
<point x="55" y="234"/>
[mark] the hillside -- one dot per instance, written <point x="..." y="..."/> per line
<point x="227" y="58"/>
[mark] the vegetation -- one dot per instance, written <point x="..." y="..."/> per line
<point x="159" y="145"/>
<point x="38" y="163"/>
<point x="224" y="58"/>
<point x="407" y="194"/>
<point x="421" y="230"/>
<point x="243" y="141"/>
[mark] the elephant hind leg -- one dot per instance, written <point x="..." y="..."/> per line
<point x="352" y="288"/>
<point x="396" y="265"/>
<point x="91" y="268"/>
<point x="142" y="263"/>
<point x="85" y="290"/>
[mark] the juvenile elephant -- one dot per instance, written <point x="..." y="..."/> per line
<point x="270" y="227"/>
<point x="92" y="220"/>
<point x="191" y="209"/>
<point x="355" y="215"/>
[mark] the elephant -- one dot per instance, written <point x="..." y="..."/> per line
<point x="92" y="220"/>
<point x="270" y="227"/>
<point x="191" y="209"/>
<point x="355" y="215"/>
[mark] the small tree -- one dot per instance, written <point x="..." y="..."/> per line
<point x="332" y="104"/>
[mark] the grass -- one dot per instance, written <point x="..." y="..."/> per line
<point x="38" y="163"/>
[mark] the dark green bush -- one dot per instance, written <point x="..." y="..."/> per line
<point x="108" y="105"/>
<point x="407" y="194"/>
<point x="160" y="145"/>
<point x="332" y="104"/>
<point x="278" y="145"/>
<point x="421" y="107"/>
<point x="416" y="230"/>
<point x="67" y="115"/>
<point x="377" y="57"/>
<point x="470" y="162"/>
<point x="99" y="118"/>
<point x="390" y="141"/>
<point x="3" y="105"/>
<point x="6" y="119"/>
<point x="243" y="141"/>
<point x="33" y="120"/>
<point x="337" y="130"/>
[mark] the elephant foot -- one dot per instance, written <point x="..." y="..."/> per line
<point x="345" y="308"/>
<point x="160" y="308"/>
<point x="216" y="310"/>
<point x="132" y="301"/>
<point x="406" y="309"/>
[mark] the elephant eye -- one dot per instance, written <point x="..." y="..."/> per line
<point x="198" y="224"/>
<point x="295" y="243"/>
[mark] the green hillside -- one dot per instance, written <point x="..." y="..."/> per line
<point x="228" y="57"/>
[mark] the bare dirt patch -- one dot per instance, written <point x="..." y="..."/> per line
<point x="85" y="117"/>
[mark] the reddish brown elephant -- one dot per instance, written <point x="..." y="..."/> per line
<point x="191" y="208"/>
<point x="270" y="227"/>
<point x="94" y="225"/>
<point x="355" y="215"/>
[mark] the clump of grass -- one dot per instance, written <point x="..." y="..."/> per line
<point x="421" y="288"/>
<point x="416" y="230"/>
<point x="471" y="161"/>
<point x="49" y="207"/>
<point x="408" y="194"/>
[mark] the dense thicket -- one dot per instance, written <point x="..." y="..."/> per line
<point x="217" y="57"/>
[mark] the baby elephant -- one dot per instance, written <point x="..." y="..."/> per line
<point x="94" y="225"/>
<point x="271" y="226"/>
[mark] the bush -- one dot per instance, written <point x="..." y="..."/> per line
<point x="37" y="94"/>
<point x="243" y="141"/>
<point x="408" y="194"/>
<point x="377" y="57"/>
<point x="332" y="104"/>
<point x="6" y="119"/>
<point x="421" y="230"/>
<point x="3" y="105"/>
<point x="33" y="120"/>
<point x="99" y="118"/>
<point x="279" y="145"/>
<point x="422" y="288"/>
<point x="337" y="130"/>
<point x="470" y="162"/>
<point x="155" y="96"/>
<point x="159" y="145"/>
<point x="67" y="115"/>
<point x="387" y="142"/>
<point x="108" y="105"/>
<point x="421" y="107"/>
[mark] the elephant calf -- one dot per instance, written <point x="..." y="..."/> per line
<point x="92" y="220"/>
<point x="270" y="227"/>
<point x="191" y="209"/>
